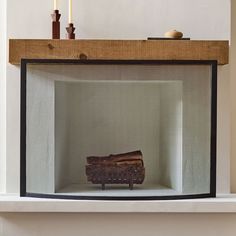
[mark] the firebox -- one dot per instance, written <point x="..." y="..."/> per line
<point x="118" y="129"/>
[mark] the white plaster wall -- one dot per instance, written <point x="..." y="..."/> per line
<point x="233" y="95"/>
<point x="62" y="171"/>
<point x="171" y="135"/>
<point x="196" y="130"/>
<point x="3" y="62"/>
<point x="40" y="137"/>
<point x="224" y="130"/>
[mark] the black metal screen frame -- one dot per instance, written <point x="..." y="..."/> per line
<point x="212" y="63"/>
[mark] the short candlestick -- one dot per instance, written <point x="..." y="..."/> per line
<point x="70" y="31"/>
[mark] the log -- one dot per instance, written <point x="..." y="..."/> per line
<point x="126" y="168"/>
<point x="115" y="158"/>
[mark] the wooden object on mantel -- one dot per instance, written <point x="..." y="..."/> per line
<point x="118" y="50"/>
<point x="126" y="168"/>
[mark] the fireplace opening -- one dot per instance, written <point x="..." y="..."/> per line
<point x="118" y="130"/>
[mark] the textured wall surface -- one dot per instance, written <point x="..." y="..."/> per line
<point x="233" y="96"/>
<point x="3" y="129"/>
<point x="40" y="138"/>
<point x="171" y="135"/>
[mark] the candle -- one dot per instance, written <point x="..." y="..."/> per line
<point x="55" y="5"/>
<point x="70" y="11"/>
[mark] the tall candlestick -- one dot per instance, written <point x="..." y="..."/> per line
<point x="70" y="11"/>
<point x="55" y="5"/>
<point x="56" y="24"/>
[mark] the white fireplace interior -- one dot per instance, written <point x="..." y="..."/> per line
<point x="74" y="111"/>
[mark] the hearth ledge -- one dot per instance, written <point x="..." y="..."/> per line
<point x="14" y="203"/>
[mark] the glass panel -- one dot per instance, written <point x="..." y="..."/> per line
<point x="77" y="111"/>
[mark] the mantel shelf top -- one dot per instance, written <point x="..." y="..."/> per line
<point x="118" y="50"/>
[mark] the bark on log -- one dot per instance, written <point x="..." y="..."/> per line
<point x="135" y="156"/>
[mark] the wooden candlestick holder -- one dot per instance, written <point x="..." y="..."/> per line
<point x="56" y="24"/>
<point x="70" y="31"/>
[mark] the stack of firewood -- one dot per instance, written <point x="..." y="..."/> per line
<point x="126" y="168"/>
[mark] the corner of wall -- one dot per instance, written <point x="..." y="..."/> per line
<point x="233" y="95"/>
<point x="3" y="61"/>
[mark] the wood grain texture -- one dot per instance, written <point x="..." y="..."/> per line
<point x="118" y="50"/>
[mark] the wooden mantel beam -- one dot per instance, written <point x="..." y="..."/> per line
<point x="118" y="50"/>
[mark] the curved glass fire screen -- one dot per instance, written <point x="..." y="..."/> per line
<point x="118" y="129"/>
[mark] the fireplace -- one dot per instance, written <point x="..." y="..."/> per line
<point x="73" y="109"/>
